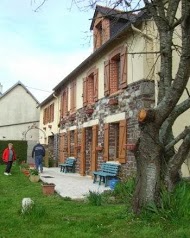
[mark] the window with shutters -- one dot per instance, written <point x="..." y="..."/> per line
<point x="51" y="109"/>
<point x="98" y="35"/>
<point x="73" y="97"/>
<point x="115" y="71"/>
<point x="115" y="141"/>
<point x="48" y="114"/>
<point x="64" y="103"/>
<point x="90" y="88"/>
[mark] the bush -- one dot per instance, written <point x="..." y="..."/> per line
<point x="20" y="148"/>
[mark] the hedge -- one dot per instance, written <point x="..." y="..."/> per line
<point x="20" y="148"/>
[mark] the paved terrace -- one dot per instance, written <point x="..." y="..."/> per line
<point x="71" y="185"/>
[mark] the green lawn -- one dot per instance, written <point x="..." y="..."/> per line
<point x="52" y="216"/>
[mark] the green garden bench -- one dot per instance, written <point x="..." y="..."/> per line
<point x="107" y="171"/>
<point x="68" y="165"/>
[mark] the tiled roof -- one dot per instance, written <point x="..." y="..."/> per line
<point x="112" y="13"/>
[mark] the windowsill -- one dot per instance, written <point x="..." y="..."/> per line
<point x="116" y="93"/>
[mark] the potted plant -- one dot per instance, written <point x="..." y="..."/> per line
<point x="24" y="168"/>
<point x="48" y="188"/>
<point x="34" y="175"/>
<point x="113" y="101"/>
<point x="78" y="147"/>
<point x="131" y="146"/>
<point x="99" y="148"/>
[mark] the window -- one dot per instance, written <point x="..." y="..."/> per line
<point x="48" y="114"/>
<point x="101" y="32"/>
<point x="114" y="141"/>
<point x="73" y="96"/>
<point x="90" y="88"/>
<point x="98" y="35"/>
<point x="64" y="103"/>
<point x="115" y="71"/>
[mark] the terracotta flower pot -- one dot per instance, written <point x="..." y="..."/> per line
<point x="89" y="111"/>
<point x="113" y="101"/>
<point x="26" y="172"/>
<point x="99" y="148"/>
<point x="131" y="147"/>
<point x="48" y="189"/>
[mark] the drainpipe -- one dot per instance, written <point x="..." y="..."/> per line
<point x="153" y="42"/>
<point x="56" y="118"/>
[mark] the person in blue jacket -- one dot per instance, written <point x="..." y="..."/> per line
<point x="38" y="153"/>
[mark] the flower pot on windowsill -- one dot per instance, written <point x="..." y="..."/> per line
<point x="99" y="148"/>
<point x="48" y="188"/>
<point x="72" y="117"/>
<point x="78" y="147"/>
<point x="61" y="123"/>
<point x="89" y="111"/>
<point x="113" y="101"/>
<point x="131" y="147"/>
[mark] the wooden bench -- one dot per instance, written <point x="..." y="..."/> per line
<point x="108" y="170"/>
<point x="68" y="165"/>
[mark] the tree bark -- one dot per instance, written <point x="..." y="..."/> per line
<point x="148" y="159"/>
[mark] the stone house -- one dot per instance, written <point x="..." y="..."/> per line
<point x="92" y="114"/>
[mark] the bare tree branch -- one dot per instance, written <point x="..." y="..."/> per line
<point x="178" y="138"/>
<point x="40" y="5"/>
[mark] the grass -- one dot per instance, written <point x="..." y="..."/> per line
<point x="54" y="216"/>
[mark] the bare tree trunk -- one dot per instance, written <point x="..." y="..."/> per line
<point x="148" y="159"/>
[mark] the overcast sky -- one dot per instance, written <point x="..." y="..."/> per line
<point x="41" y="48"/>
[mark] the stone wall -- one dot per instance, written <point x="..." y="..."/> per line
<point x="128" y="101"/>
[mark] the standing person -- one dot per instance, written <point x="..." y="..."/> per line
<point x="38" y="153"/>
<point x="8" y="157"/>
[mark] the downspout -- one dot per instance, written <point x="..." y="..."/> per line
<point x="153" y="43"/>
<point x="56" y="110"/>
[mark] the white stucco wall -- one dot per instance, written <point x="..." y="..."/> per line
<point x="18" y="113"/>
<point x="45" y="129"/>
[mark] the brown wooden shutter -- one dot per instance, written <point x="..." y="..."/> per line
<point x="106" y="78"/>
<point x="74" y="95"/>
<point x="75" y="143"/>
<point x="61" y="147"/>
<point x="66" y="100"/>
<point x="52" y="112"/>
<point x="83" y="153"/>
<point x="96" y="85"/>
<point x="61" y="107"/>
<point x="85" y="91"/>
<point x="122" y="141"/>
<point x="106" y="142"/>
<point x="123" y="60"/>
<point x="69" y="142"/>
<point x="71" y="97"/>
<point x="94" y="145"/>
<point x="44" y="122"/>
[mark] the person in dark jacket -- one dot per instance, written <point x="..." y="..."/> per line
<point x="38" y="153"/>
<point x="8" y="157"/>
